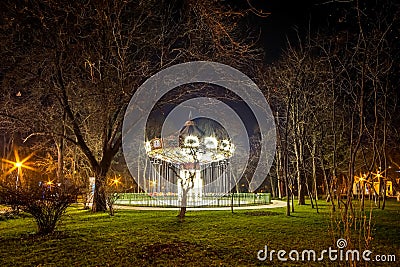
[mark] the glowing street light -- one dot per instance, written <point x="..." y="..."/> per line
<point x="115" y="182"/>
<point x="361" y="178"/>
<point x="379" y="175"/>
<point x="18" y="165"/>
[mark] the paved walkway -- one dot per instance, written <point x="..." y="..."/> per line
<point x="274" y="204"/>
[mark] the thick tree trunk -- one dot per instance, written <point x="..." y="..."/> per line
<point x="99" y="198"/>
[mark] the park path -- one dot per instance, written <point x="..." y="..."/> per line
<point x="274" y="204"/>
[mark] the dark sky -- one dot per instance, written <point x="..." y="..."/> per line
<point x="307" y="16"/>
<point x="287" y="17"/>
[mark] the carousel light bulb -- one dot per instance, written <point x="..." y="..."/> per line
<point x="199" y="155"/>
<point x="225" y="145"/>
<point x="211" y="142"/>
<point x="148" y="146"/>
<point x="191" y="141"/>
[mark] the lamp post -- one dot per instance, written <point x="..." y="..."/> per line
<point x="18" y="165"/>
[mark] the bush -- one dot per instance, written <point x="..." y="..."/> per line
<point x="111" y="198"/>
<point x="45" y="204"/>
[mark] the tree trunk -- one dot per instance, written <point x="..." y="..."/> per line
<point x="60" y="153"/>
<point x="334" y="178"/>
<point x="329" y="194"/>
<point x="271" y="179"/>
<point x="297" y="143"/>
<point x="99" y="198"/>
<point x="300" y="182"/>
<point x="314" y="166"/>
<point x="384" y="152"/>
<point x="279" y="158"/>
<point x="60" y="161"/>
<point x="182" y="211"/>
<point x="292" y="194"/>
<point x="286" y="158"/>
<point x="288" y="196"/>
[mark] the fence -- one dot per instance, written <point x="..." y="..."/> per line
<point x="214" y="200"/>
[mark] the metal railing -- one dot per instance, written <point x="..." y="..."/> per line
<point x="210" y="200"/>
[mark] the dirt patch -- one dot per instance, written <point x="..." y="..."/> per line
<point x="157" y="252"/>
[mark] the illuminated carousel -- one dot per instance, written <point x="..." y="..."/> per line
<point x="193" y="161"/>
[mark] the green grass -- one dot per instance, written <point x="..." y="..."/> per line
<point x="205" y="238"/>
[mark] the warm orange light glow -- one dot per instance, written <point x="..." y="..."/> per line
<point x="379" y="175"/>
<point x="361" y="178"/>
<point x="18" y="164"/>
<point x="115" y="182"/>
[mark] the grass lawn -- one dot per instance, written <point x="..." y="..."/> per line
<point x="206" y="238"/>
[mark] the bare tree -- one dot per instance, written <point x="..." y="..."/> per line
<point x="85" y="60"/>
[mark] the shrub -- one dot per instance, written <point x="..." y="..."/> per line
<point x="45" y="204"/>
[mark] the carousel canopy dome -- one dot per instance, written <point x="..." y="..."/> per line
<point x="202" y="137"/>
<point x="191" y="128"/>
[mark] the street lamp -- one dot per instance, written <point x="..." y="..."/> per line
<point x="115" y="182"/>
<point x="18" y="165"/>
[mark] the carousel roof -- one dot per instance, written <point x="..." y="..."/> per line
<point x="191" y="128"/>
<point x="178" y="156"/>
<point x="192" y="140"/>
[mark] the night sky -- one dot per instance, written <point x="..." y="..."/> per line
<point x="289" y="20"/>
